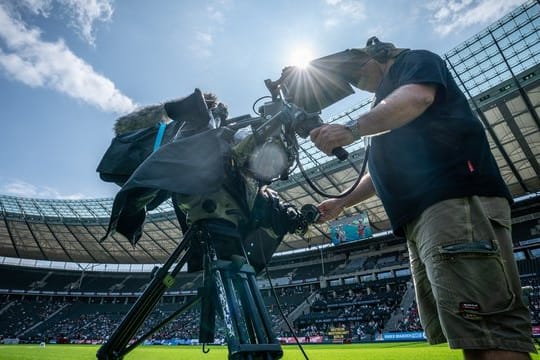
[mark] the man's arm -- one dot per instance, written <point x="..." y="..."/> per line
<point x="331" y="208"/>
<point x="402" y="106"/>
<point x="363" y="191"/>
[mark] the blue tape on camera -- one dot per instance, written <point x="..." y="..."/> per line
<point x="159" y="136"/>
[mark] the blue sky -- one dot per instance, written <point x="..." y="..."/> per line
<point x="69" y="68"/>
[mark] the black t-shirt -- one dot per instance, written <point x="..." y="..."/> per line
<point x="442" y="154"/>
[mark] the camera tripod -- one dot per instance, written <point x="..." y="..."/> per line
<point x="229" y="290"/>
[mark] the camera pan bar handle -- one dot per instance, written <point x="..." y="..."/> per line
<point x="340" y="153"/>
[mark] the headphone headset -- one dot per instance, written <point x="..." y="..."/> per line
<point x="378" y="50"/>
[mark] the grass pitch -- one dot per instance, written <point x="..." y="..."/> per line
<point x="382" y="351"/>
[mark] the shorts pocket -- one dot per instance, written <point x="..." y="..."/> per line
<point x="497" y="210"/>
<point x="470" y="279"/>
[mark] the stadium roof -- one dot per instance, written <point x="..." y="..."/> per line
<point x="498" y="69"/>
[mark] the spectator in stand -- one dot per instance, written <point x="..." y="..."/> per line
<point x="430" y="164"/>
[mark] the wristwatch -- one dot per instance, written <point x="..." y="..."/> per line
<point x="355" y="130"/>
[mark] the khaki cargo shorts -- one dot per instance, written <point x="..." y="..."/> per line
<point x="467" y="283"/>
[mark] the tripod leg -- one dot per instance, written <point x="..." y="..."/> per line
<point x="242" y="303"/>
<point x="183" y="309"/>
<point x="261" y="309"/>
<point x="242" y="330"/>
<point x="248" y="328"/>
<point x="228" y="319"/>
<point x="115" y="347"/>
<point x="251" y="313"/>
<point x="208" y="308"/>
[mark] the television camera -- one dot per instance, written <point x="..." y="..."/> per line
<point x="232" y="221"/>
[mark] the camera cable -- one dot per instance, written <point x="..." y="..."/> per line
<point x="327" y="195"/>
<point x="280" y="308"/>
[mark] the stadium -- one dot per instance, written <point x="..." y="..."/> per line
<point x="61" y="285"/>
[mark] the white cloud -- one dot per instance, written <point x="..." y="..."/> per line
<point x="339" y="11"/>
<point x="82" y="14"/>
<point x="452" y="15"/>
<point x="215" y="14"/>
<point x="38" y="7"/>
<point x="24" y="189"/>
<point x="37" y="63"/>
<point x="85" y="13"/>
<point x="203" y="43"/>
<point x="202" y="46"/>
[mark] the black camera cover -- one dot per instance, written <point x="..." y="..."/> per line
<point x="129" y="149"/>
<point x="174" y="168"/>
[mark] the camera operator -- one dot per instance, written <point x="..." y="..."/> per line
<point x="431" y="165"/>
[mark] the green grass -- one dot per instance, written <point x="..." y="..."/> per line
<point x="386" y="351"/>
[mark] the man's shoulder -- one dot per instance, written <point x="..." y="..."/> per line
<point x="418" y="59"/>
<point x="421" y="54"/>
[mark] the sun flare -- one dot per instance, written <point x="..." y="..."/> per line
<point x="301" y="56"/>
